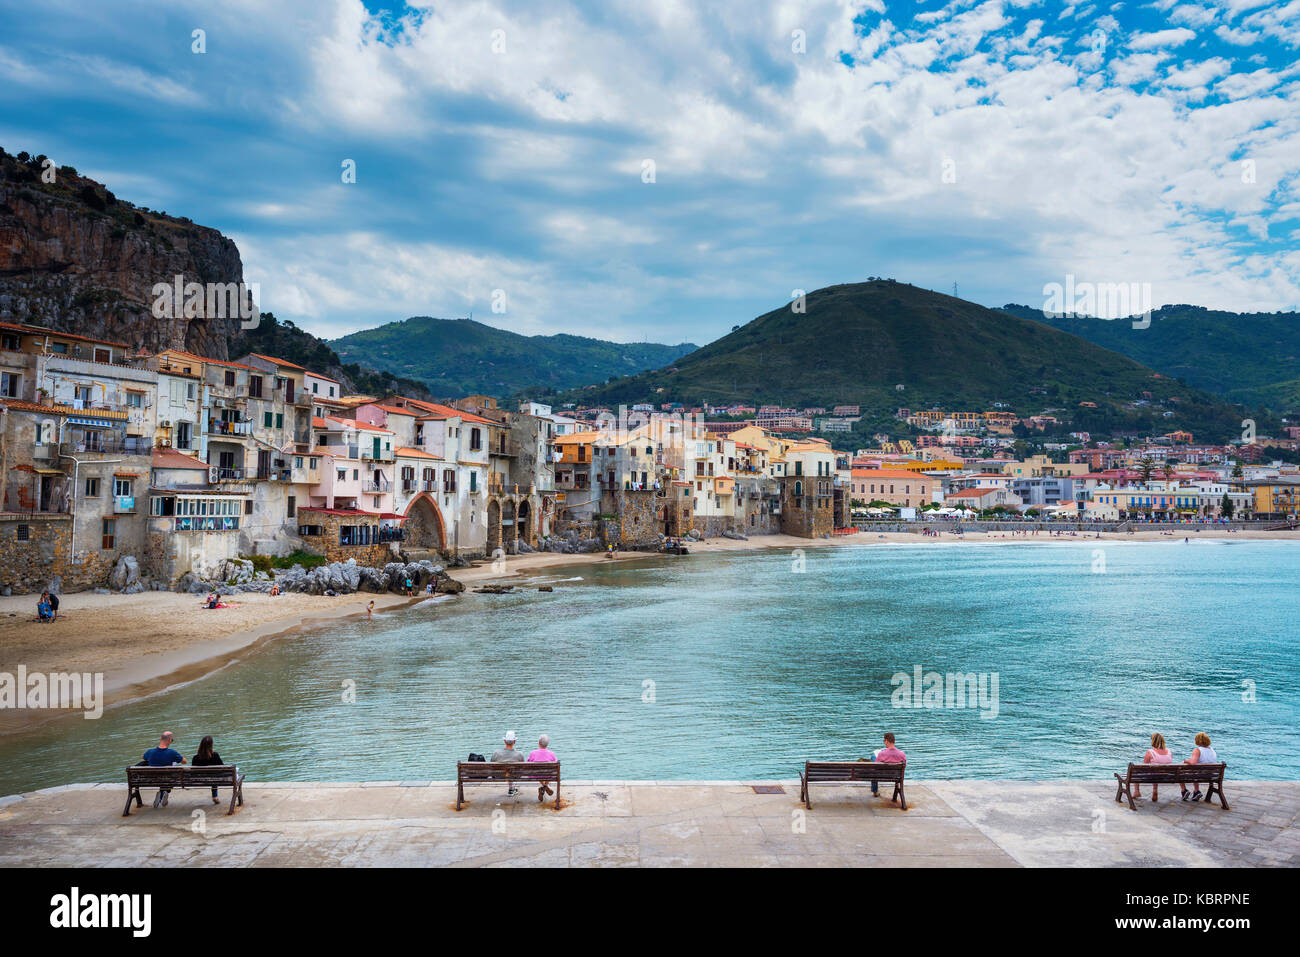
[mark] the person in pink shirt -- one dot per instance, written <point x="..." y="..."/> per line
<point x="543" y="752"/>
<point x="1156" y="754"/>
<point x="888" y="755"/>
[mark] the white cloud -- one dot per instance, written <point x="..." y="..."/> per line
<point x="1160" y="38"/>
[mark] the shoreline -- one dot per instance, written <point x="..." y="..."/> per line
<point x="190" y="654"/>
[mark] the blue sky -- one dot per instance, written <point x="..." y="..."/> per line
<point x="999" y="145"/>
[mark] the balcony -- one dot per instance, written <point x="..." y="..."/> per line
<point x="275" y="475"/>
<point x="129" y="445"/>
<point x="231" y="427"/>
<point x="370" y="455"/>
<point x="372" y="487"/>
<point x="218" y="474"/>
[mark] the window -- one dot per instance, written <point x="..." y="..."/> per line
<point x="292" y="505"/>
<point x="135" y="400"/>
<point x="315" y="388"/>
<point x="312" y="463"/>
<point x="61" y="348"/>
<point x="11" y="342"/>
<point x="10" y="385"/>
<point x="279" y="420"/>
<point x="109" y="528"/>
<point x="449" y="480"/>
<point x="122" y="487"/>
<point x="81" y="393"/>
<point x="267" y="419"/>
<point x="342" y="475"/>
<point x="24" y="533"/>
<point x="255" y="386"/>
<point x="230" y="378"/>
<point x="476" y="440"/>
<point x="473" y="481"/>
<point x="331" y="392"/>
<point x="92" y="488"/>
<point x="308" y="530"/>
<point x="248" y="506"/>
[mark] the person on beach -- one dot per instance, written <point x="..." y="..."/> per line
<point x="887" y="755"/>
<point x="206" y="758"/>
<point x="53" y="599"/>
<point x="43" y="610"/>
<point x="1201" y="754"/>
<point x="163" y="756"/>
<point x="543" y="752"/>
<point x="275" y="590"/>
<point x="370" y="610"/>
<point x="508" y="754"/>
<point x="1156" y="754"/>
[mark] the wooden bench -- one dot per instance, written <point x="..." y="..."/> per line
<point x="852" y="772"/>
<point x="1180" y="774"/>
<point x="183" y="776"/>
<point x="508" y="773"/>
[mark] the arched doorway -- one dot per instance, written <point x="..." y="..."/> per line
<point x="423" y="526"/>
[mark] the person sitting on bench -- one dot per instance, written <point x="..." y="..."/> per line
<point x="887" y="755"/>
<point x="206" y="758"/>
<point x="508" y="754"/>
<point x="543" y="753"/>
<point x="163" y="756"/>
<point x="1156" y="754"/>
<point x="1201" y="754"/>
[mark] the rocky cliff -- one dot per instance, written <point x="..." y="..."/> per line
<point x="76" y="258"/>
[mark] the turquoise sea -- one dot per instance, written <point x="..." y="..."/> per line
<point x="736" y="665"/>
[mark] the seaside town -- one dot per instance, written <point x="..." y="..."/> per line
<point x="129" y="470"/>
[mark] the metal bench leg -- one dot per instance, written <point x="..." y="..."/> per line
<point x="557" y="794"/>
<point x="898" y="793"/>
<point x="1223" y="803"/>
<point x="460" y="794"/>
<point x="130" y="793"/>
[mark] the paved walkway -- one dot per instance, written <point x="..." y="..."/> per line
<point x="648" y="824"/>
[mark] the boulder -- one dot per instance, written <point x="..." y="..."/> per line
<point x="124" y="574"/>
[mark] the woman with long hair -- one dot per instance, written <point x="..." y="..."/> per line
<point x="207" y="757"/>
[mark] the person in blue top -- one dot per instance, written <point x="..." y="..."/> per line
<point x="163" y="756"/>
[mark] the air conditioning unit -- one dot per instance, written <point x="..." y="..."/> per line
<point x="166" y="443"/>
<point x="165" y="423"/>
<point x="76" y="350"/>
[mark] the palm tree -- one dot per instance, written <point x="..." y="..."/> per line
<point x="1145" y="468"/>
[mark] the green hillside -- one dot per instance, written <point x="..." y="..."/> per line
<point x="859" y="343"/>
<point x="1239" y="355"/>
<point x="462" y="357"/>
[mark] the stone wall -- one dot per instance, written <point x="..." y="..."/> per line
<point x="327" y="543"/>
<point x="28" y="566"/>
<point x="808" y="514"/>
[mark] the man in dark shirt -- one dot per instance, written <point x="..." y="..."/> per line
<point x="163" y="756"/>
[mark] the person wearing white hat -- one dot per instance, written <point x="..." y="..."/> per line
<point x="508" y="753"/>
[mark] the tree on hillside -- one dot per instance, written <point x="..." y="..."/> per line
<point x="1226" y="506"/>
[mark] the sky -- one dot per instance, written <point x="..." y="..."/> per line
<point x="662" y="171"/>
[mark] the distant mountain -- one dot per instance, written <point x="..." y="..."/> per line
<point x="885" y="344"/>
<point x="456" y="357"/>
<point x="1247" y="357"/>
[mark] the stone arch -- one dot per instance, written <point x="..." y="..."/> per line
<point x="524" y="521"/>
<point x="508" y="515"/>
<point x="423" y="525"/>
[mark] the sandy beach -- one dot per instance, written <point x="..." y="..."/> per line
<point x="144" y="643"/>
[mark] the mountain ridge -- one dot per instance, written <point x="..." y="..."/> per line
<point x="468" y="357"/>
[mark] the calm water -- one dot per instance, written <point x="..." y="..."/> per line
<point x="755" y="668"/>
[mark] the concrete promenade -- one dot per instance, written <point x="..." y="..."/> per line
<point x="653" y="824"/>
